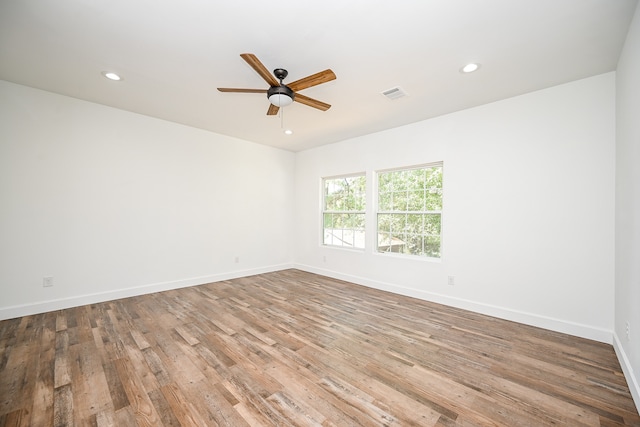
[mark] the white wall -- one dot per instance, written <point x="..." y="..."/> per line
<point x="112" y="203"/>
<point x="627" y="288"/>
<point x="528" y="208"/>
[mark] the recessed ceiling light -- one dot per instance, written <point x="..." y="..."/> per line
<point x="470" y="68"/>
<point x="288" y="132"/>
<point x="111" y="75"/>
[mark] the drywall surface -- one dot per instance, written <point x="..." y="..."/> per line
<point x="528" y="208"/>
<point x="110" y="203"/>
<point x="627" y="289"/>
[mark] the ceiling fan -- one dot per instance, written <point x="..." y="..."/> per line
<point x="279" y="94"/>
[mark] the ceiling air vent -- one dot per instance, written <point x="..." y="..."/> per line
<point x="394" y="93"/>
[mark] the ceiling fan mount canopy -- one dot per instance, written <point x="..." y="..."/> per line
<point x="280" y="74"/>
<point x="279" y="94"/>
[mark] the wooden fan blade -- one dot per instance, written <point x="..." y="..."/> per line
<point x="273" y="110"/>
<point x="255" y="63"/>
<point x="229" y="89"/>
<point x="312" y="80"/>
<point x="311" y="102"/>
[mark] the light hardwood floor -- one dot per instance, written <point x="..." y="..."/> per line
<point x="293" y="348"/>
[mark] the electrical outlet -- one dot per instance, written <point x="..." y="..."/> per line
<point x="237" y="259"/>
<point x="451" y="280"/>
<point x="324" y="259"/>
<point x="627" y="330"/>
<point x="47" y="282"/>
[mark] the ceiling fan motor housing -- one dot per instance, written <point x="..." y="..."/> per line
<point x="280" y="95"/>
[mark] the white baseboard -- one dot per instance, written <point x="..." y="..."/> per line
<point x="75" y="301"/>
<point x="632" y="381"/>
<point x="557" y="325"/>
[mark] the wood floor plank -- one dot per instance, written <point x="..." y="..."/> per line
<point x="329" y="365"/>
<point x="253" y="396"/>
<point x="63" y="414"/>
<point x="14" y="419"/>
<point x="142" y="408"/>
<point x="184" y="411"/>
<point x="89" y="383"/>
<point x="291" y="348"/>
<point x="13" y="378"/>
<point x="215" y="403"/>
<point x="104" y="419"/>
<point x="178" y="363"/>
<point x="43" y="389"/>
<point x="306" y="388"/>
<point x="117" y="392"/>
<point x="167" y="417"/>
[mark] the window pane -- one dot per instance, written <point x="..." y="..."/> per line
<point x="329" y="202"/>
<point x="358" y="193"/>
<point x="389" y="242"/>
<point x="384" y="224"/>
<point x="384" y="183"/>
<point x="413" y="223"/>
<point x="413" y="244"/>
<point x="399" y="201"/>
<point x="396" y="222"/>
<point x="432" y="224"/>
<point x="328" y="221"/>
<point x="433" y="200"/>
<point x="416" y="200"/>
<point x="415" y="179"/>
<point x="434" y="189"/>
<point x="400" y="180"/>
<point x="385" y="202"/>
<point x="432" y="246"/>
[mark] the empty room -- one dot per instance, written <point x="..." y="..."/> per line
<point x="364" y="213"/>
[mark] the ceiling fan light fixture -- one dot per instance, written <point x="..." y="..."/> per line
<point x="280" y="96"/>
<point x="280" y="100"/>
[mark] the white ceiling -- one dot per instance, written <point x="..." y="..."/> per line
<point x="174" y="54"/>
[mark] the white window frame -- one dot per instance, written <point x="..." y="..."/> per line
<point x="388" y="245"/>
<point x="344" y="237"/>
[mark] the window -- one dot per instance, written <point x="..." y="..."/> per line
<point x="343" y="211"/>
<point x="410" y="211"/>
